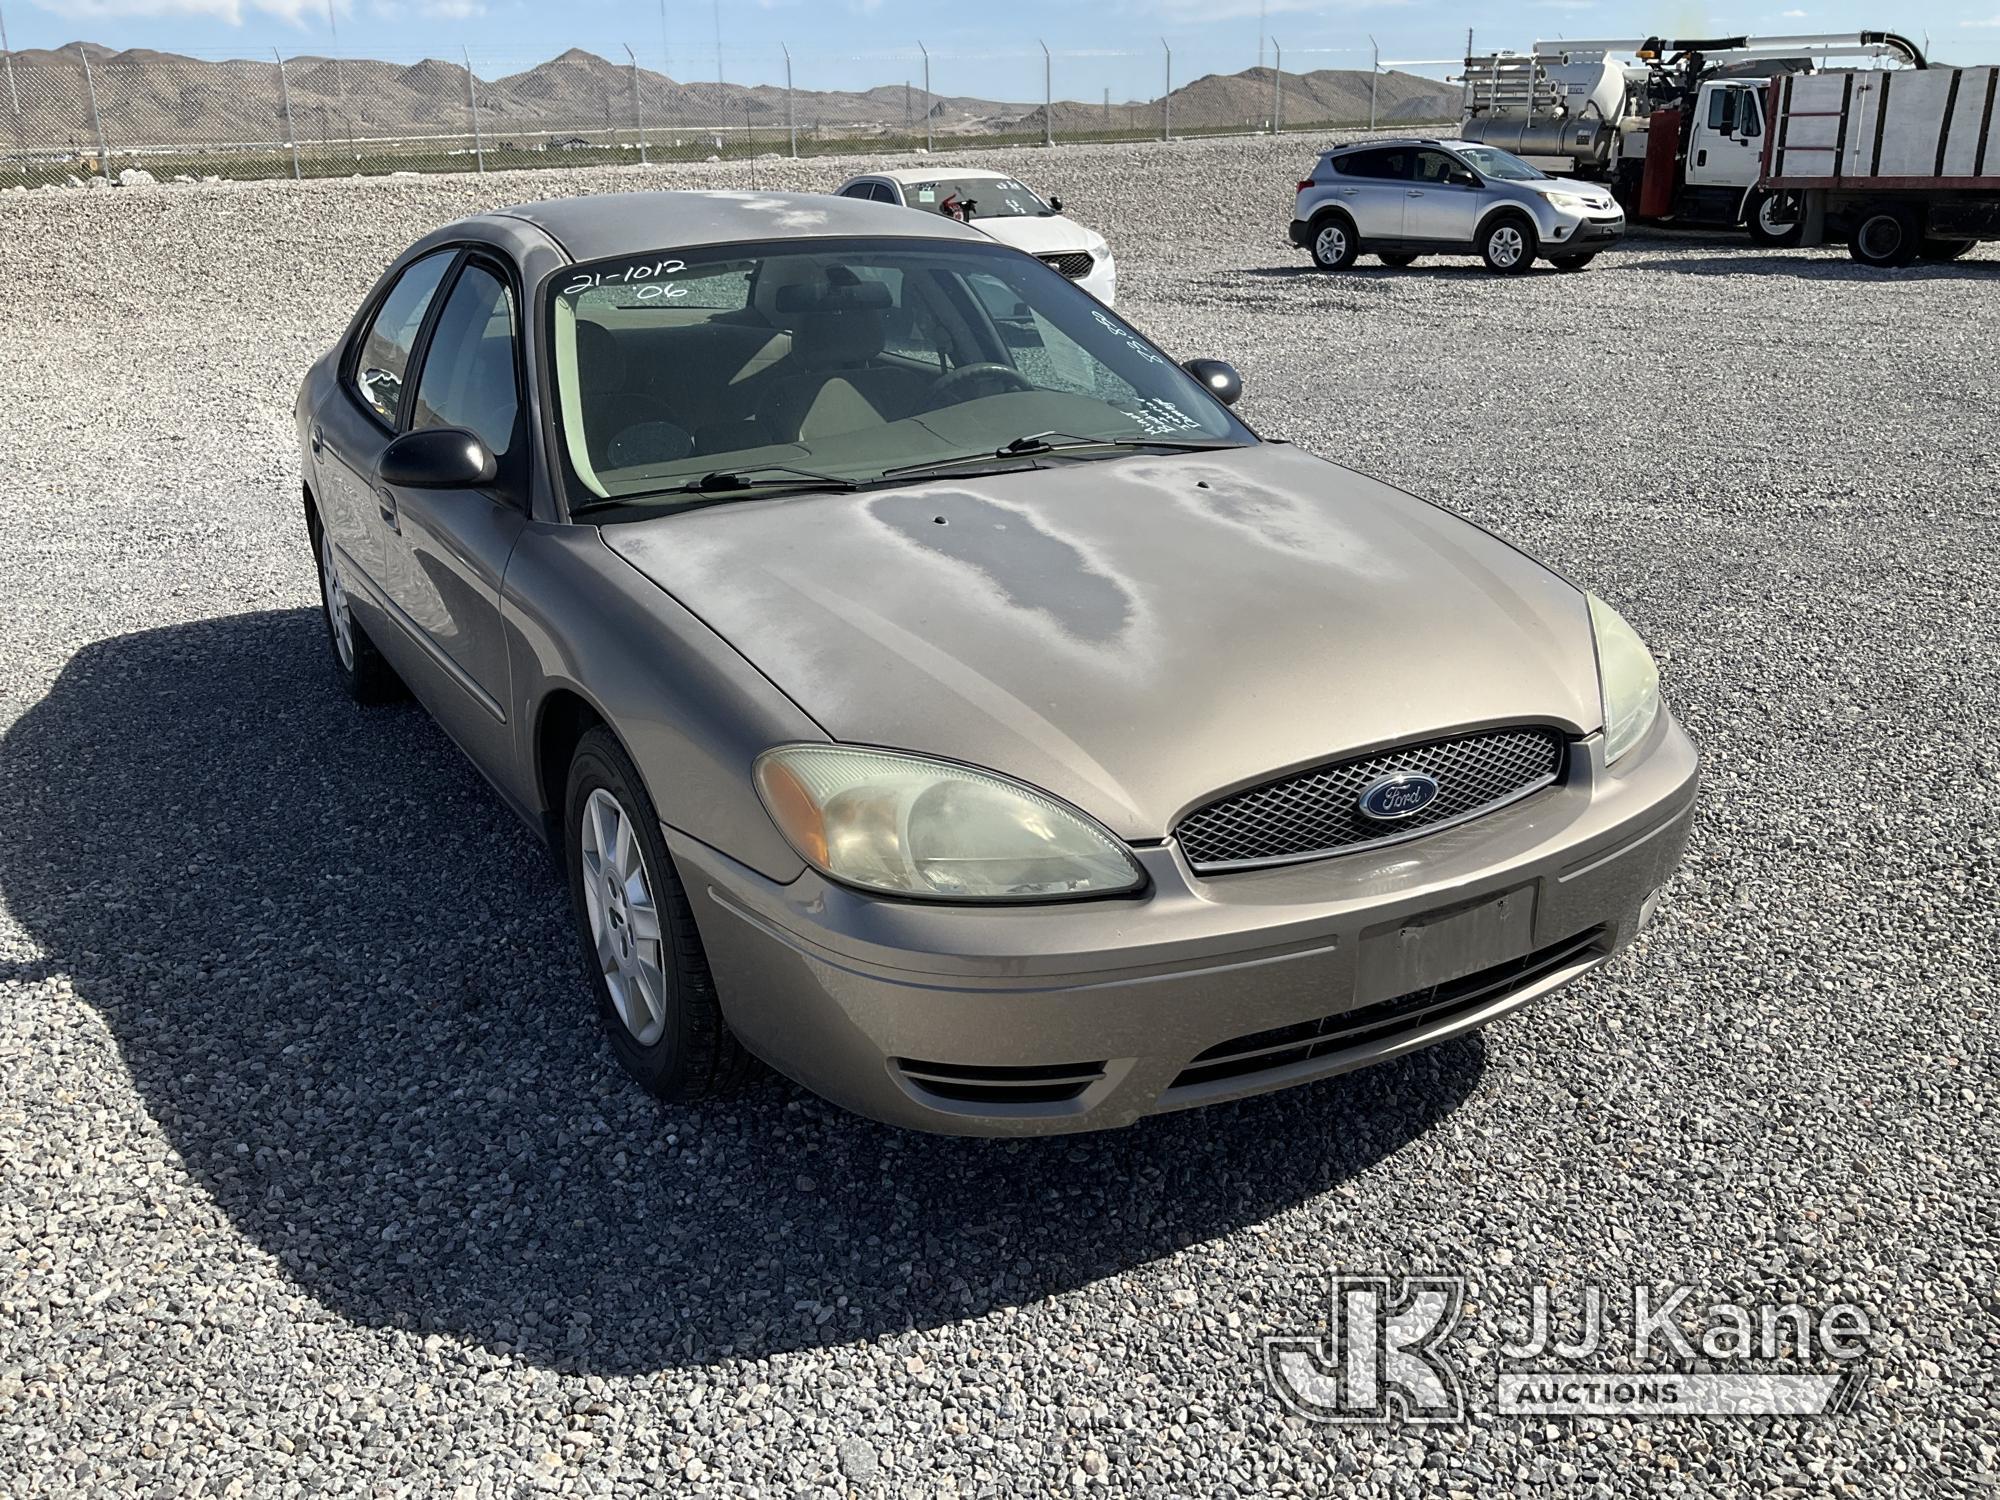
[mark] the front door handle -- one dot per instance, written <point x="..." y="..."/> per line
<point x="1348" y="192"/>
<point x="1701" y="158"/>
<point x="386" y="503"/>
<point x="318" y="440"/>
<point x="1416" y="193"/>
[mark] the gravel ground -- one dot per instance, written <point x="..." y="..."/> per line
<point x="316" y="1177"/>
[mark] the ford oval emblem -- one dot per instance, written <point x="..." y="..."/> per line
<point x="1402" y="795"/>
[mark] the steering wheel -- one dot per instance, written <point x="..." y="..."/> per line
<point x="971" y="375"/>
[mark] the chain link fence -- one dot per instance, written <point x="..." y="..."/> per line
<point x="86" y="112"/>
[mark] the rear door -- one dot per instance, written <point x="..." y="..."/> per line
<point x="1371" y="186"/>
<point x="1440" y="211"/>
<point x="448" y="549"/>
<point x="356" y="422"/>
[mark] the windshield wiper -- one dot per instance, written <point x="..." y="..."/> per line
<point x="730" y="481"/>
<point x="1036" y="444"/>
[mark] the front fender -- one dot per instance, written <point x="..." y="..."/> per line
<point x="689" y="709"/>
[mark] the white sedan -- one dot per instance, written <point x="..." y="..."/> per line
<point x="1005" y="209"/>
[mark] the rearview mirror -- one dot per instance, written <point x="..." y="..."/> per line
<point x="1218" y="377"/>
<point x="439" y="458"/>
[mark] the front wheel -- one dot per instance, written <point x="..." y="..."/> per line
<point x="655" y="995"/>
<point x="1334" y="245"/>
<point x="1572" y="262"/>
<point x="1885" y="237"/>
<point x="1508" y="245"/>
<point x="1774" y="220"/>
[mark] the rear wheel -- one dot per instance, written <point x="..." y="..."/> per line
<point x="1333" y="244"/>
<point x="1507" y="245"/>
<point x="1774" y="220"/>
<point x="1572" y="262"/>
<point x="358" y="666"/>
<point x="655" y="995"/>
<point x="1946" y="249"/>
<point x="1400" y="259"/>
<point x="1885" y="236"/>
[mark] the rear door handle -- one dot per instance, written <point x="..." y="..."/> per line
<point x="1416" y="193"/>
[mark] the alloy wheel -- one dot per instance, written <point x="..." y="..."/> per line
<point x="338" y="618"/>
<point x="1506" y="245"/>
<point x="1330" y="245"/>
<point x="624" y="917"/>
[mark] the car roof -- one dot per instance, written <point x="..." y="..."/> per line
<point x="935" y="174"/>
<point x="1398" y="140"/>
<point x="607" y="224"/>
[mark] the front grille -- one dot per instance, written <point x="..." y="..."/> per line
<point x="1387" y="1019"/>
<point x="981" y="1083"/>
<point x="1075" y="264"/>
<point x="1318" y="812"/>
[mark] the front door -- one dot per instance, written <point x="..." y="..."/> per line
<point x="1441" y="211"/>
<point x="1726" y="147"/>
<point x="448" y="549"/>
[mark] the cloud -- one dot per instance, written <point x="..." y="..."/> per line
<point x="298" y="12"/>
<point x="1989" y="21"/>
<point x="1792" y="15"/>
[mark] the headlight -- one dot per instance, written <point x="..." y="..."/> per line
<point x="1568" y="202"/>
<point x="1627" y="677"/>
<point x="911" y="826"/>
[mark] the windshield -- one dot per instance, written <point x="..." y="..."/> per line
<point x="974" y="198"/>
<point x="1504" y="165"/>
<point x="844" y="361"/>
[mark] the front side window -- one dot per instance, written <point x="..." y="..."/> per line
<point x="971" y="198"/>
<point x="468" y="377"/>
<point x="849" y="360"/>
<point x="1436" y="167"/>
<point x="1722" y="110"/>
<point x="384" y="356"/>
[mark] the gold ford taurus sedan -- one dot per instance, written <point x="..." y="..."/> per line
<point x="933" y="689"/>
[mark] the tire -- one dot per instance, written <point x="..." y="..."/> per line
<point x="1885" y="236"/>
<point x="364" y="675"/>
<point x="1944" y="250"/>
<point x="666" y="1026"/>
<point x="1507" y="244"/>
<point x="1774" y="221"/>
<point x="1572" y="262"/>
<point x="1333" y="245"/>
<point x="1402" y="260"/>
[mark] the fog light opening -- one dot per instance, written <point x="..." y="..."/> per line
<point x="1647" y="907"/>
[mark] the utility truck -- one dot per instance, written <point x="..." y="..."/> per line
<point x="1900" y="165"/>
<point x="1678" y="133"/>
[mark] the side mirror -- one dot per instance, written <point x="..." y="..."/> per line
<point x="439" y="458"/>
<point x="1218" y="377"/>
<point x="1464" y="179"/>
<point x="1056" y="204"/>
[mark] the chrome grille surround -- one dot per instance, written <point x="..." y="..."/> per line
<point x="1316" y="813"/>
<point x="1075" y="264"/>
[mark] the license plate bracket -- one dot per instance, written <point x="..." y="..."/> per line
<point x="1436" y="947"/>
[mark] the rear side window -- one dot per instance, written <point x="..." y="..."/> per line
<point x="1383" y="164"/>
<point x="385" y="348"/>
<point x="468" y="375"/>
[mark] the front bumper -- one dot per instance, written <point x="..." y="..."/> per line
<point x="1570" y="234"/>
<point x="1083" y="1015"/>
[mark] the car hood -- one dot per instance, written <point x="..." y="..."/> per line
<point x="1133" y="635"/>
<point x="1039" y="236"/>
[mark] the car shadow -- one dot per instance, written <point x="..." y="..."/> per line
<point x="1819" y="266"/>
<point x="1448" y="270"/>
<point x="342" y="980"/>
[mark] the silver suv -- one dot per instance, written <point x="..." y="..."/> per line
<point x="1403" y="199"/>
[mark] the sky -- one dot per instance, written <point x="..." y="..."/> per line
<point x="978" y="46"/>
